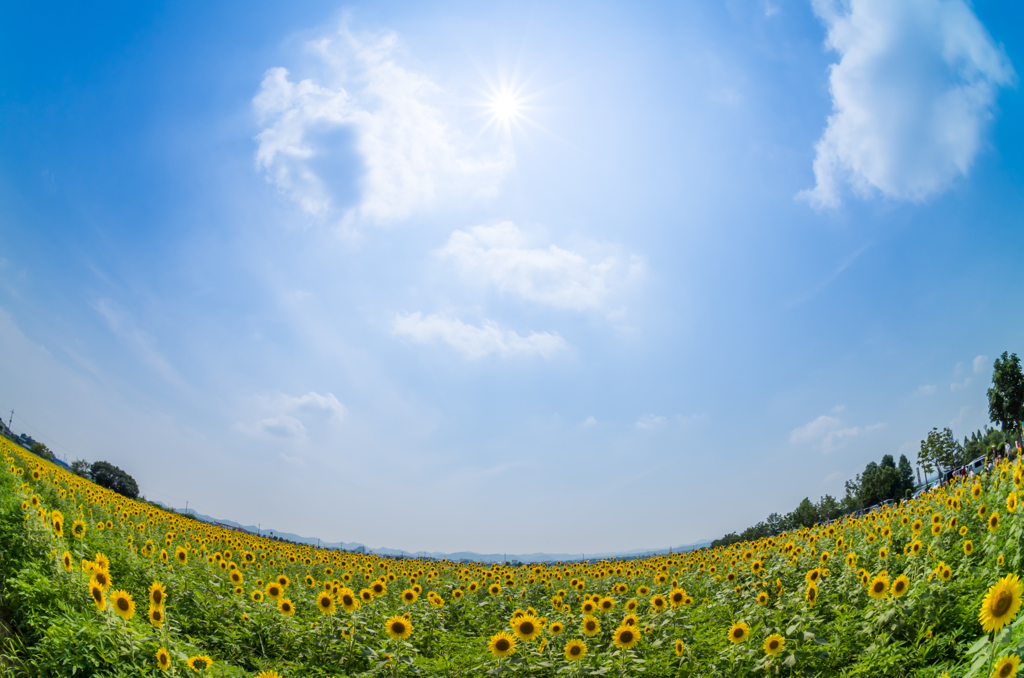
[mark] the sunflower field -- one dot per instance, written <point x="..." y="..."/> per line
<point x="94" y="584"/>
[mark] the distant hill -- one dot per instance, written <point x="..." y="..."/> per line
<point x="437" y="555"/>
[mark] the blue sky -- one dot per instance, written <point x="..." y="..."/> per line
<point x="292" y="265"/>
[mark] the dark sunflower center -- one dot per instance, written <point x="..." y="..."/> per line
<point x="626" y="637"/>
<point x="591" y="625"/>
<point x="122" y="604"/>
<point x="1006" y="670"/>
<point x="502" y="645"/>
<point x="773" y="645"/>
<point x="201" y="663"/>
<point x="398" y="628"/>
<point x="526" y="628"/>
<point x="575" y="650"/>
<point x="879" y="587"/>
<point x="738" y="633"/>
<point x="347" y="600"/>
<point x="325" y="602"/>
<point x="1002" y="603"/>
<point x="97" y="594"/>
<point x="157" y="616"/>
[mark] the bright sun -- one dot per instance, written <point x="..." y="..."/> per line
<point x="506" y="106"/>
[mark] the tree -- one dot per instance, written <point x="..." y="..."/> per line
<point x="980" y="442"/>
<point x="805" y="515"/>
<point x="1006" y="397"/>
<point x="906" y="474"/>
<point x="828" y="508"/>
<point x="41" y="450"/>
<point x="111" y="477"/>
<point x="878" y="483"/>
<point x="940" y="449"/>
<point x="81" y="467"/>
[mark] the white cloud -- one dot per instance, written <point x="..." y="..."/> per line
<point x="285" y="414"/>
<point x="838" y="408"/>
<point x="979" y="363"/>
<point x="813" y="430"/>
<point x="411" y="154"/>
<point x="926" y="389"/>
<point x="590" y="421"/>
<point x="827" y="432"/>
<point x="649" y="421"/>
<point x="959" y="419"/>
<point x="912" y="93"/>
<point x="955" y="386"/>
<point x="500" y="256"/>
<point x="476" y="342"/>
<point x="834" y="476"/>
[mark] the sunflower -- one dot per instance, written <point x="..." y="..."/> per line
<point x="156" y="616"/>
<point x="473" y="586"/>
<point x="101" y="578"/>
<point x="773" y="644"/>
<point x="501" y="644"/>
<point x="78" y="528"/>
<point x="457" y="594"/>
<point x="123" y="605"/>
<point x="625" y="637"/>
<point x="878" y="586"/>
<point x="199" y="662"/>
<point x="236" y="577"/>
<point x="274" y="591"/>
<point x="157" y="594"/>
<point x="286" y="607"/>
<point x="676" y="598"/>
<point x="163" y="659"/>
<point x="348" y="599"/>
<point x="812" y="594"/>
<point x="378" y="588"/>
<point x="813" y="575"/>
<point x="257" y="596"/>
<point x="993" y="521"/>
<point x="1001" y="603"/>
<point x="409" y="596"/>
<point x="366" y="595"/>
<point x="96" y="593"/>
<point x="762" y="598"/>
<point x="398" y="628"/>
<point x="591" y="626"/>
<point x="588" y="607"/>
<point x="527" y="627"/>
<point x="899" y="586"/>
<point x="739" y="632"/>
<point x="283" y="581"/>
<point x="658" y="603"/>
<point x="643" y="591"/>
<point x="968" y="547"/>
<point x="575" y="650"/>
<point x="268" y="674"/>
<point x="325" y="603"/>
<point x="1006" y="666"/>
<point x="66" y="561"/>
<point x="181" y="555"/>
<point x="944" y="571"/>
<point x="494" y="589"/>
<point x="606" y="604"/>
<point x="680" y="647"/>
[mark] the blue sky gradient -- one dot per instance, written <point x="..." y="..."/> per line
<point x="725" y="255"/>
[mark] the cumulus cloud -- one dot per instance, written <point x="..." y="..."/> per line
<point x="284" y="414"/>
<point x="828" y="433"/>
<point x="925" y="389"/>
<point x="500" y="255"/>
<point x="408" y="154"/>
<point x="912" y="93"/>
<point x="476" y="342"/>
<point x="979" y="363"/>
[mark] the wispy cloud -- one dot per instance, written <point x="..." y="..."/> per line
<point x="141" y="343"/>
<point x="828" y="433"/>
<point x="476" y="342"/>
<point x="650" y="421"/>
<point x="980" y="363"/>
<point x="912" y="93"/>
<point x="925" y="389"/>
<point x="500" y="255"/>
<point x="410" y="154"/>
<point x="283" y="415"/>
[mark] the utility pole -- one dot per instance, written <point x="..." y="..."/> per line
<point x="10" y="420"/>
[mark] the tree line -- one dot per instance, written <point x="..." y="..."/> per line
<point x="888" y="480"/>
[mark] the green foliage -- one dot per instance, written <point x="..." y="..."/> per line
<point x="111" y="477"/>
<point x="940" y="450"/>
<point x="41" y="450"/>
<point x="1006" y="397"/>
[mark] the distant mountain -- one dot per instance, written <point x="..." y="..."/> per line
<point x="437" y="555"/>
